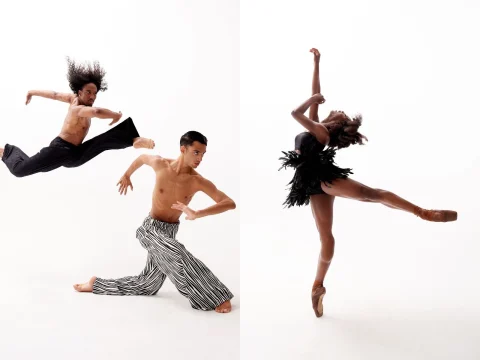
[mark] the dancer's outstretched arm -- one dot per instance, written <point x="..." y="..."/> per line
<point x="316" y="128"/>
<point x="223" y="202"/>
<point x="68" y="98"/>
<point x="96" y="112"/>
<point x="153" y="161"/>
<point x="313" y="115"/>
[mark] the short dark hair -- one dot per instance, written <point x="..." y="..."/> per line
<point x="80" y="75"/>
<point x="190" y="137"/>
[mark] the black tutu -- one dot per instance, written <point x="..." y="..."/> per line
<point x="310" y="171"/>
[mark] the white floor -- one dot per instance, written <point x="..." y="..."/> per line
<point x="52" y="239"/>
<point x="361" y="331"/>
<point x="47" y="319"/>
<point x="398" y="287"/>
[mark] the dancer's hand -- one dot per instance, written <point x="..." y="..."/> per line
<point x="191" y="214"/>
<point x="29" y="97"/>
<point x="117" y="117"/>
<point x="316" y="54"/>
<point x="319" y="99"/>
<point x="124" y="184"/>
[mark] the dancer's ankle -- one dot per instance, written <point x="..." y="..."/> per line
<point x="317" y="284"/>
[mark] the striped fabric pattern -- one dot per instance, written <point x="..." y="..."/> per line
<point x="168" y="258"/>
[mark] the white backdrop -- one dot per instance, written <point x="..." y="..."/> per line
<point x="398" y="287"/>
<point x="173" y="68"/>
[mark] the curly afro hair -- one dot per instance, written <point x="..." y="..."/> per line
<point x="81" y="74"/>
<point x="344" y="131"/>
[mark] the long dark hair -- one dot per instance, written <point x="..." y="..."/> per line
<point x="81" y="74"/>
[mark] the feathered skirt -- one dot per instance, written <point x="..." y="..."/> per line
<point x="310" y="171"/>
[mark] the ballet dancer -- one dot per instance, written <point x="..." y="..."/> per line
<point x="317" y="180"/>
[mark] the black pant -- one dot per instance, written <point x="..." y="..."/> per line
<point x="62" y="153"/>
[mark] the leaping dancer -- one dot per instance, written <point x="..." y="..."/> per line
<point x="68" y="149"/>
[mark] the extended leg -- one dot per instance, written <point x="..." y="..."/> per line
<point x="322" y="210"/>
<point x="352" y="189"/>
<point x="120" y="137"/>
<point x="47" y="159"/>
<point x="147" y="283"/>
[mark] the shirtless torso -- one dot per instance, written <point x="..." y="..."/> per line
<point x="175" y="186"/>
<point x="75" y="128"/>
<point x="171" y="187"/>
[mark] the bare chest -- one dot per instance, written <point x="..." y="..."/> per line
<point x="76" y="125"/>
<point x="171" y="187"/>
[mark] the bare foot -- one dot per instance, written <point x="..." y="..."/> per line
<point x="141" y="142"/>
<point x="1" y="152"/>
<point x="224" y="308"/>
<point x="87" y="287"/>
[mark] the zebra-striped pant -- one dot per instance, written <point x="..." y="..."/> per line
<point x="168" y="257"/>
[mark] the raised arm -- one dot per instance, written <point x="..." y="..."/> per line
<point x="153" y="161"/>
<point x="222" y="202"/>
<point x="316" y="128"/>
<point x="68" y="98"/>
<point x="313" y="114"/>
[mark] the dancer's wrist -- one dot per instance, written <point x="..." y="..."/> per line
<point x="318" y="98"/>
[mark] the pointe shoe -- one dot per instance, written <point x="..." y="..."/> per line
<point x="317" y="300"/>
<point x="436" y="215"/>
